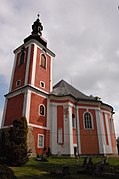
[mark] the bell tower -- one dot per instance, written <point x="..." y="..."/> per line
<point x="30" y="86"/>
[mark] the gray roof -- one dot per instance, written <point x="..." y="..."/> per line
<point x="63" y="88"/>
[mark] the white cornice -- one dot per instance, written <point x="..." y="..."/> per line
<point x="33" y="41"/>
<point x="37" y="126"/>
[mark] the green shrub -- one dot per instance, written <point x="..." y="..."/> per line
<point x="14" y="142"/>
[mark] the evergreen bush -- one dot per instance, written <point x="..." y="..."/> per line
<point x="14" y="142"/>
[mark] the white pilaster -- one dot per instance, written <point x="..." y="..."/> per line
<point x="109" y="147"/>
<point x="48" y="114"/>
<point x="34" y="65"/>
<point x="14" y="65"/>
<point x="53" y="132"/>
<point x="99" y="131"/>
<point x="51" y="65"/>
<point x="70" y="132"/>
<point x="27" y="66"/>
<point x="26" y="105"/>
<point x="78" y="131"/>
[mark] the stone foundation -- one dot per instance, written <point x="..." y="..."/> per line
<point x="31" y="142"/>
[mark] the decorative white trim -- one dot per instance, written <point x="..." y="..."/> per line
<point x="53" y="128"/>
<point x="37" y="126"/>
<point x="34" y="65"/>
<point x="62" y="104"/>
<point x="39" y="94"/>
<point x="15" y="93"/>
<point x="39" y="89"/>
<point x="106" y="112"/>
<point x="5" y="127"/>
<point x="78" y="131"/>
<point x="109" y="149"/>
<point x="12" y="75"/>
<point x="48" y="113"/>
<point x="51" y="71"/>
<point x="70" y="132"/>
<point x="27" y="65"/>
<point x="39" y="45"/>
<point x="88" y="107"/>
<point x="26" y="104"/>
<point x="99" y="132"/>
<point x="80" y="107"/>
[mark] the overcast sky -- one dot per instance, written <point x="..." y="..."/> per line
<point x="84" y="35"/>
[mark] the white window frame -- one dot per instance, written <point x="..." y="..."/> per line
<point x="39" y="110"/>
<point x="41" y="82"/>
<point x="91" y="121"/>
<point x="17" y="85"/>
<point x="40" y="146"/>
<point x="46" y="60"/>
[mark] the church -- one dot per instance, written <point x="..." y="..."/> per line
<point x="60" y="118"/>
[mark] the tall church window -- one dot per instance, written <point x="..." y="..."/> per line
<point x="43" y="61"/>
<point x="88" y="121"/>
<point x="60" y="141"/>
<point x="73" y="121"/>
<point x="111" y="124"/>
<point x="42" y="110"/>
<point x="22" y="56"/>
<point x="40" y="141"/>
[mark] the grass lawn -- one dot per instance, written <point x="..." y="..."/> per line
<point x="37" y="169"/>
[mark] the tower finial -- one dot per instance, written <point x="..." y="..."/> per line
<point x="37" y="26"/>
<point x="38" y="15"/>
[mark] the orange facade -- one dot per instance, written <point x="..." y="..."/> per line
<point x="35" y="117"/>
<point x="42" y="74"/>
<point x="46" y="133"/>
<point x="88" y="137"/>
<point x="20" y="70"/>
<point x="14" y="109"/>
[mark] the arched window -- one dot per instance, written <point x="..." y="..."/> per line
<point x="43" y="61"/>
<point x="42" y="110"/>
<point x="22" y="56"/>
<point x="88" y="121"/>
